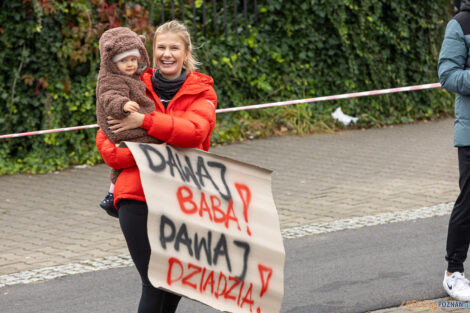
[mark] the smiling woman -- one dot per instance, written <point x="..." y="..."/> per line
<point x="184" y="116"/>
<point x="173" y="50"/>
<point x="170" y="52"/>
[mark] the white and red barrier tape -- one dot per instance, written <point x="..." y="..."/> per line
<point x="256" y="106"/>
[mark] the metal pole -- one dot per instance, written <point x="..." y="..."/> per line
<point x="214" y="15"/>
<point x="204" y="17"/>
<point x="225" y="18"/>
<point x="194" y="21"/>
<point x="256" y="13"/>
<point x="182" y="10"/>
<point x="235" y="15"/>
<point x="245" y="14"/>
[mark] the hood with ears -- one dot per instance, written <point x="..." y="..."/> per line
<point x="117" y="40"/>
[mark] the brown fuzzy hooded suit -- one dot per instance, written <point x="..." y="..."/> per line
<point x="115" y="88"/>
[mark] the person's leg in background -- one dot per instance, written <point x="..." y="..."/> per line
<point x="458" y="235"/>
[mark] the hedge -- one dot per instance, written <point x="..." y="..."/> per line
<point x="49" y="63"/>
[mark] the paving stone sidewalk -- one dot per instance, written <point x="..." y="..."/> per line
<point x="54" y="219"/>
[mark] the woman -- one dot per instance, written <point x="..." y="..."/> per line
<point x="184" y="117"/>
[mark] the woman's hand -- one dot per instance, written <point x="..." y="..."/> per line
<point x="133" y="120"/>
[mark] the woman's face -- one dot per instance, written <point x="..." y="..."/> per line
<point x="170" y="53"/>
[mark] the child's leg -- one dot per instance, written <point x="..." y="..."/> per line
<point x="108" y="202"/>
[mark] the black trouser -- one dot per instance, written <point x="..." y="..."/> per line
<point x="458" y="236"/>
<point x="133" y="220"/>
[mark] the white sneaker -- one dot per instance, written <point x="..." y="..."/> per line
<point x="457" y="286"/>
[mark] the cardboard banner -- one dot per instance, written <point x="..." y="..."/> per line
<point x="213" y="228"/>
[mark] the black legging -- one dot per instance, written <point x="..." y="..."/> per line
<point x="133" y="220"/>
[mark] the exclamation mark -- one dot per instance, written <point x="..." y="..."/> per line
<point x="245" y="195"/>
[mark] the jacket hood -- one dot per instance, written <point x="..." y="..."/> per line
<point x="464" y="5"/>
<point x="118" y="40"/>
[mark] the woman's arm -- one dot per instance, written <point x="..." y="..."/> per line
<point x="113" y="156"/>
<point x="453" y="74"/>
<point x="188" y="130"/>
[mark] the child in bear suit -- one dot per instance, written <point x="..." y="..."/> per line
<point x="120" y="91"/>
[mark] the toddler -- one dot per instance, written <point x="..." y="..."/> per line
<point x="120" y="91"/>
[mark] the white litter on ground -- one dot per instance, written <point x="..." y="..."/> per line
<point x="343" y="118"/>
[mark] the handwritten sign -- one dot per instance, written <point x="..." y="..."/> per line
<point x="213" y="228"/>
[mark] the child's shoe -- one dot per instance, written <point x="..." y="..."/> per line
<point x="108" y="205"/>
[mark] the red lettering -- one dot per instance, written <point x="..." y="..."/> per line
<point x="215" y="202"/>
<point x="186" y="279"/>
<point x="248" y="298"/>
<point x="171" y="262"/>
<point x="188" y="205"/>
<point x="240" y="292"/>
<point x="202" y="278"/>
<point x="217" y="294"/>
<point x="265" y="274"/>
<point x="245" y="195"/>
<point x="203" y="207"/>
<point x="211" y="277"/>
<point x="188" y="198"/>
<point x="231" y="215"/>
<point x="234" y="292"/>
<point x="235" y="284"/>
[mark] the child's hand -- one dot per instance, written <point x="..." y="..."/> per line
<point x="131" y="106"/>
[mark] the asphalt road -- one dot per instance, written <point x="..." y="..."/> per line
<point x="345" y="271"/>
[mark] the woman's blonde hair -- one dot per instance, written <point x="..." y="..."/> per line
<point x="176" y="27"/>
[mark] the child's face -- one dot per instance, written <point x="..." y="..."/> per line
<point x="128" y="65"/>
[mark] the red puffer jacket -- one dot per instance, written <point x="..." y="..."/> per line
<point x="187" y="122"/>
